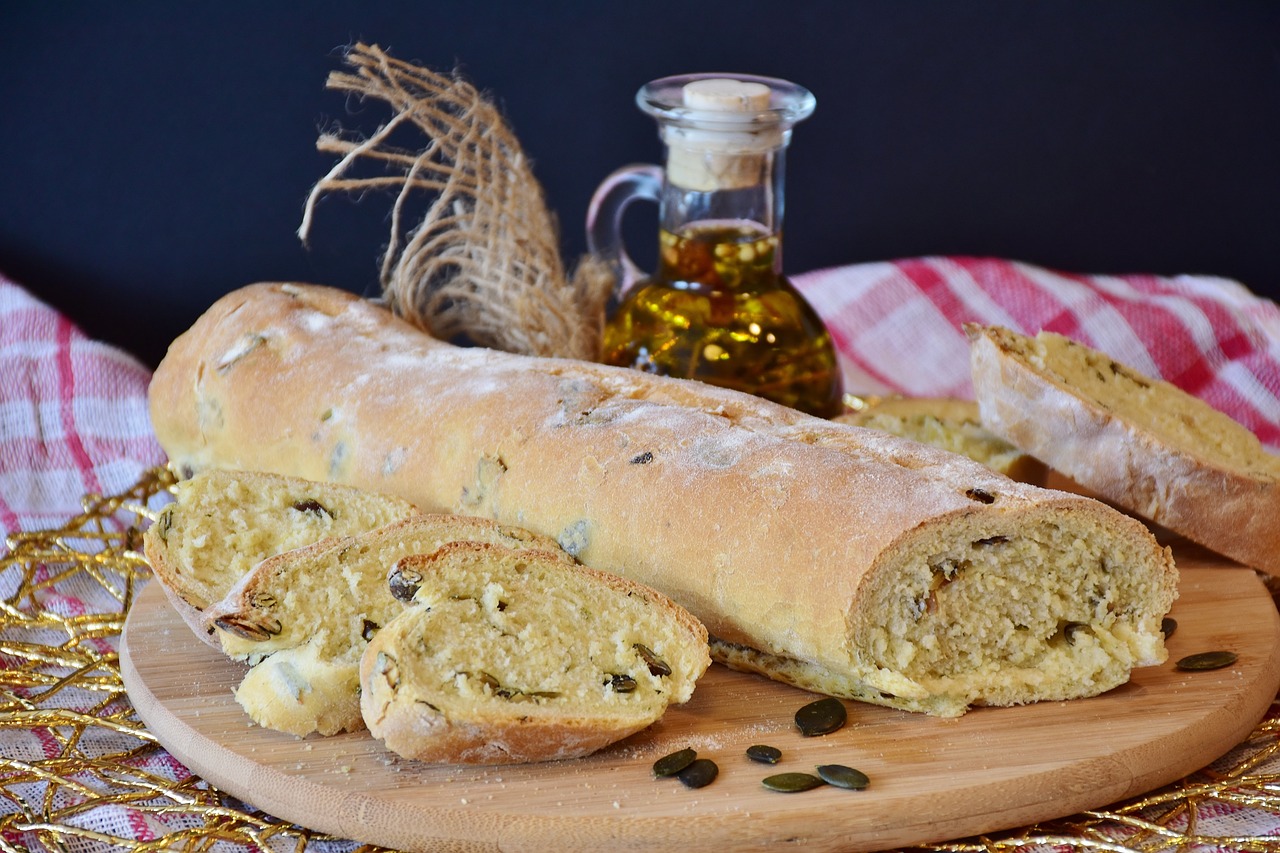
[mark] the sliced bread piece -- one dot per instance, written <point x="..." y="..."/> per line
<point x="1138" y="442"/>
<point x="223" y="523"/>
<point x="514" y="656"/>
<point x="952" y="424"/>
<point x="303" y="617"/>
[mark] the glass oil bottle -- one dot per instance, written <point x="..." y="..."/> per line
<point x="718" y="307"/>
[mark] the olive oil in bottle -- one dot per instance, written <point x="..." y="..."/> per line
<point x="718" y="308"/>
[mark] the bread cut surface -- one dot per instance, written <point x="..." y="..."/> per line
<point x="303" y="617"/>
<point x="509" y="656"/>
<point x="1140" y="442"/>
<point x="1046" y="609"/>
<point x="784" y="534"/>
<point x="224" y="522"/>
<point x="951" y="424"/>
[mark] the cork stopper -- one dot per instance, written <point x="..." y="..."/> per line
<point x="721" y="94"/>
<point x="729" y="148"/>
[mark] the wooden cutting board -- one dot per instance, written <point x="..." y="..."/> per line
<point x="931" y="779"/>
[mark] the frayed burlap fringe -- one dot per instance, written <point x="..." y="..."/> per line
<point x="484" y="262"/>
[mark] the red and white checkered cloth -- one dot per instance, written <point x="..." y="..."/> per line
<point x="897" y="327"/>
<point x="73" y="416"/>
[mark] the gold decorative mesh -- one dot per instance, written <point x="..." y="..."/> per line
<point x="79" y="771"/>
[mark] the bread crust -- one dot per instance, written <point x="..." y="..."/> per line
<point x="157" y="555"/>
<point x="1125" y="457"/>
<point x="764" y="522"/>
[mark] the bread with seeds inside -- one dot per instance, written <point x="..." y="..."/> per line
<point x="840" y="558"/>
<point x="507" y="656"/>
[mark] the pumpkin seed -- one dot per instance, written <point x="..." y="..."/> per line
<point x="670" y="765"/>
<point x="1206" y="661"/>
<point x="657" y="666"/>
<point x="249" y="629"/>
<point x="699" y="774"/>
<point x="243" y="347"/>
<point x="792" y="783"/>
<point x="312" y="506"/>
<point x="387" y="666"/>
<point x="622" y="683"/>
<point x="487" y="680"/>
<point x="764" y="754"/>
<point x="843" y="777"/>
<point x="403" y="583"/>
<point x="821" y="717"/>
<point x="1071" y="629"/>
<point x="1167" y="626"/>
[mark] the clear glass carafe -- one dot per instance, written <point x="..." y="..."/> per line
<point x="718" y="307"/>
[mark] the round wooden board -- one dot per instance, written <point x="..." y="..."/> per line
<point x="932" y="779"/>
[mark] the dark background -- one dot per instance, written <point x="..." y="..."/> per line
<point x="156" y="155"/>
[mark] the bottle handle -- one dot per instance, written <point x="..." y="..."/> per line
<point x="604" y="218"/>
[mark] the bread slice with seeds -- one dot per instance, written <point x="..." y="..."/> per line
<point x="951" y="424"/>
<point x="302" y="618"/>
<point x="1138" y="442"/>
<point x="511" y="656"/>
<point x="222" y="523"/>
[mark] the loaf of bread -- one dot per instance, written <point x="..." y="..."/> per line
<point x="303" y="617"/>
<point x="508" y="656"/>
<point x="1139" y="442"/>
<point x="840" y="558"/>
<point x="950" y="423"/>
<point x="223" y="523"/>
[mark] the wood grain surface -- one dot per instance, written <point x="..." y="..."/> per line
<point x="931" y="779"/>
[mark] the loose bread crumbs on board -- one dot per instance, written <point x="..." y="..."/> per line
<point x="781" y="532"/>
